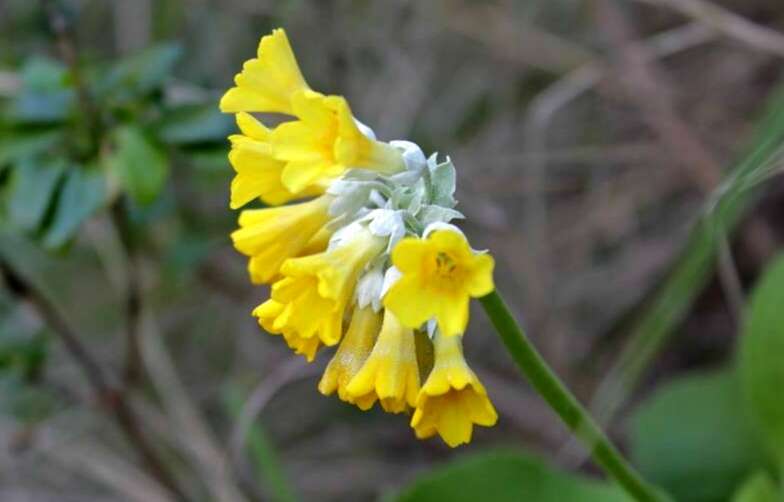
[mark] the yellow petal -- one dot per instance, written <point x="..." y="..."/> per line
<point x="439" y="275"/>
<point x="317" y="290"/>
<point x="271" y="236"/>
<point x="452" y="400"/>
<point x="390" y="373"/>
<point x="409" y="254"/>
<point x="411" y="302"/>
<point x="481" y="280"/>
<point x="452" y="314"/>
<point x="251" y="127"/>
<point x="267" y="83"/>
<point x="351" y="354"/>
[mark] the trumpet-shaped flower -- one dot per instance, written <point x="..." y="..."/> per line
<point x="439" y="275"/>
<point x="390" y="373"/>
<point x="267" y="312"/>
<point x="325" y="142"/>
<point x="452" y="399"/>
<point x="351" y="355"/>
<point x="258" y="173"/>
<point x="315" y="290"/>
<point x="272" y="235"/>
<point x="266" y="83"/>
<point x="259" y="265"/>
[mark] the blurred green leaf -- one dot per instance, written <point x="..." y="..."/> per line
<point x="16" y="146"/>
<point x="503" y="476"/>
<point x="33" y="185"/>
<point x="84" y="191"/>
<point x="758" y="488"/>
<point x="45" y="96"/>
<point x="193" y="124"/>
<point x="211" y="160"/>
<point x="762" y="356"/>
<point x="32" y="107"/>
<point x="43" y="74"/>
<point x="694" y="438"/>
<point x="140" y="73"/>
<point x="22" y="355"/>
<point x="139" y="164"/>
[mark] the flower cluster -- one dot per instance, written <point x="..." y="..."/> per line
<point x="366" y="259"/>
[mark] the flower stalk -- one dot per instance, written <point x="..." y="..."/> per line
<point x="564" y="403"/>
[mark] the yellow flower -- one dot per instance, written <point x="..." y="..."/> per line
<point x="267" y="82"/>
<point x="351" y="355"/>
<point x="267" y="312"/>
<point x="390" y="374"/>
<point x="270" y="236"/>
<point x="258" y="172"/>
<point x="325" y="142"/>
<point x="315" y="290"/>
<point x="259" y="266"/>
<point x="452" y="399"/>
<point x="439" y="275"/>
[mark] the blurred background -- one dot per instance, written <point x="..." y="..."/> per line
<point x="615" y="156"/>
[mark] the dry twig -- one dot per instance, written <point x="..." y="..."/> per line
<point x="727" y="23"/>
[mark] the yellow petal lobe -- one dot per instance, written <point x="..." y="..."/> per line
<point x="439" y="276"/>
<point x="452" y="400"/>
<point x="390" y="374"/>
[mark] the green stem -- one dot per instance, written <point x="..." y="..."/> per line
<point x="574" y="415"/>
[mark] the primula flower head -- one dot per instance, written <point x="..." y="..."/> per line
<point x="439" y="275"/>
<point x="452" y="399"/>
<point x="267" y="82"/>
<point x="390" y="373"/>
<point x="368" y="244"/>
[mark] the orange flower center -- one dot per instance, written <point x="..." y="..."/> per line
<point x="445" y="265"/>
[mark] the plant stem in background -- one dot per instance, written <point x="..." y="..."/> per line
<point x="105" y="394"/>
<point x="573" y="414"/>
<point x="66" y="46"/>
<point x="122" y="223"/>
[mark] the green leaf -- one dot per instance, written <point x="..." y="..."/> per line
<point x="443" y="183"/>
<point x="43" y="74"/>
<point x="45" y="96"/>
<point x="140" y="166"/>
<point x="194" y="124"/>
<point x="758" y="488"/>
<point x="762" y="356"/>
<point x="694" y="438"/>
<point x="22" y="354"/>
<point x="84" y="191"/>
<point x="210" y="160"/>
<point x="32" y="107"/>
<point x="33" y="185"/>
<point x="16" y="146"/>
<point x="505" y="475"/>
<point x="142" y="72"/>
<point x="430" y="214"/>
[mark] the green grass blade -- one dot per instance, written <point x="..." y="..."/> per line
<point x="263" y="454"/>
<point x="668" y="305"/>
